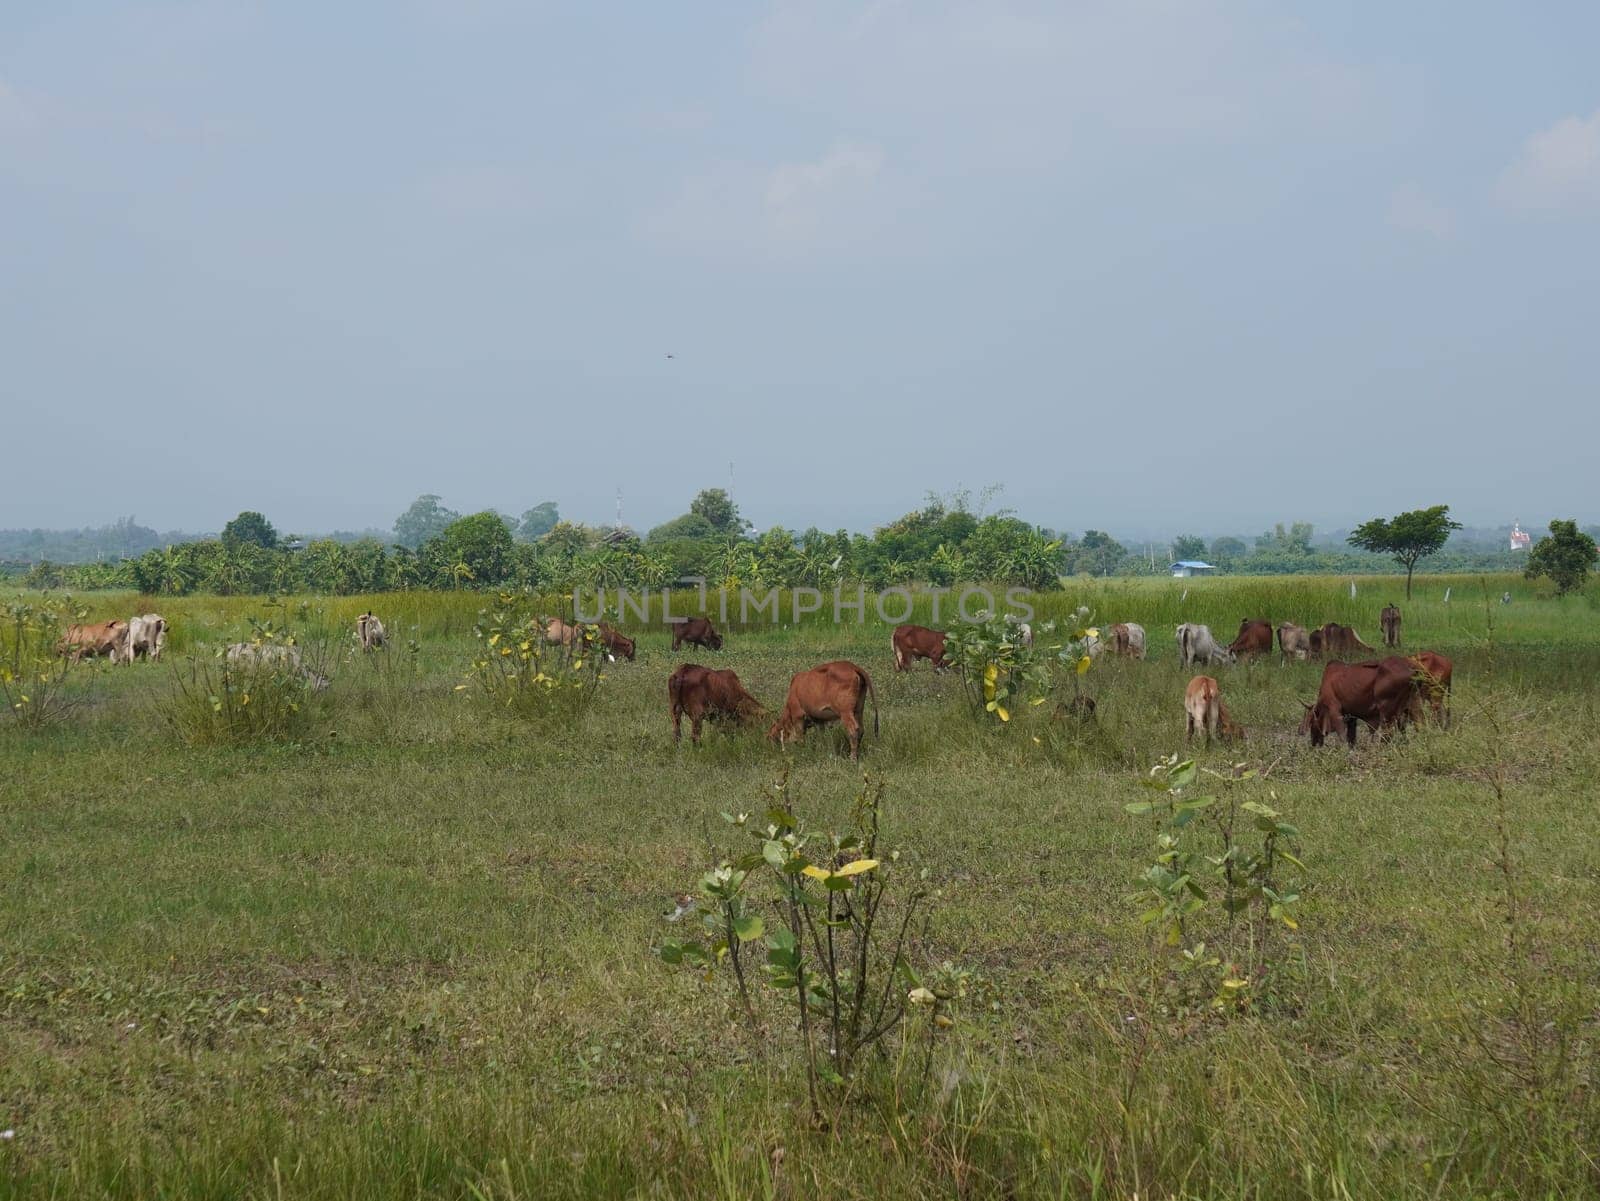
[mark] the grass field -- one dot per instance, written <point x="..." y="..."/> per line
<point x="413" y="954"/>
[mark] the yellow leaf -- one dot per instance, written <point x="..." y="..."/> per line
<point x="1092" y="632"/>
<point x="815" y="872"/>
<point x="1236" y="983"/>
<point x="1290" y="922"/>
<point x="990" y="673"/>
<point x="1001" y="713"/>
<point x="857" y="867"/>
<point x="1038" y="700"/>
<point x="493" y="638"/>
<point x="1083" y="665"/>
<point x="461" y="687"/>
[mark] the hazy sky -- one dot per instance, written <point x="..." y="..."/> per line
<point x="1153" y="266"/>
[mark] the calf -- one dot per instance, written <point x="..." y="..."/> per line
<point x="1196" y="645"/>
<point x="1255" y="638"/>
<point x="703" y="692"/>
<point x="1389" y="620"/>
<point x="1125" y="638"/>
<point x="836" y="691"/>
<point x="697" y="631"/>
<point x="1381" y="693"/>
<point x="1293" y="641"/>
<point x="370" y="632"/>
<point x="90" y="641"/>
<point x="1204" y="710"/>
<point x="917" y="642"/>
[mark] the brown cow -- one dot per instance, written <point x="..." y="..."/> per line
<point x="104" y="638"/>
<point x="1433" y="683"/>
<point x="703" y="692"/>
<point x="1389" y="619"/>
<point x="836" y="691"/>
<point x="697" y="631"/>
<point x="1202" y="703"/>
<point x="917" y="642"/>
<point x="564" y="633"/>
<point x="1255" y="638"/>
<point x="618" y="644"/>
<point x="1381" y="693"/>
<point x="1294" y="641"/>
<point x="1339" y="640"/>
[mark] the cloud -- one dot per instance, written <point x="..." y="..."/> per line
<point x="1411" y="210"/>
<point x="1558" y="168"/>
<point x="833" y="202"/>
<point x="485" y="191"/>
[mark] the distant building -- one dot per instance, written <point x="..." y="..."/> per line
<point x="1184" y="568"/>
<point x="1520" y="540"/>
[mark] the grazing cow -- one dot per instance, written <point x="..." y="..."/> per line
<point x="1293" y="641"/>
<point x="1205" y="712"/>
<point x="836" y="691"/>
<point x="1196" y="645"/>
<point x="1079" y="708"/>
<point x="1339" y="640"/>
<point x="370" y="632"/>
<point x="563" y="633"/>
<point x="1024" y="633"/>
<point x="90" y="641"/>
<point x="1125" y="638"/>
<point x="1389" y="619"/>
<point x="147" y="636"/>
<point x="278" y="657"/>
<point x="1381" y="693"/>
<point x="703" y="692"/>
<point x="1433" y="683"/>
<point x="697" y="631"/>
<point x="1314" y="640"/>
<point x="917" y="642"/>
<point x="617" y="644"/>
<point x="1255" y="638"/>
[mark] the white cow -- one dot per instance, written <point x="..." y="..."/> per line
<point x="370" y="632"/>
<point x="277" y="655"/>
<point x="147" y="636"/>
<point x="1196" y="645"/>
<point x="1123" y="638"/>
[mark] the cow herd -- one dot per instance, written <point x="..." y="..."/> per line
<point x="1384" y="693"/>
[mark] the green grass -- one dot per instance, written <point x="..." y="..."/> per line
<point x="412" y="957"/>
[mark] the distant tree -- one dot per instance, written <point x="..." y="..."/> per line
<point x="690" y="525"/>
<point x="1227" y="550"/>
<point x="1188" y="546"/>
<point x="538" y="521"/>
<point x="1565" y="556"/>
<point x="566" y="538"/>
<point x="1097" y="553"/>
<point x="477" y="548"/>
<point x="250" y="527"/>
<point x="717" y="507"/>
<point x="425" y="519"/>
<point x="1406" y="537"/>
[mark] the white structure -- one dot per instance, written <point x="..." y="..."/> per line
<point x="1184" y="568"/>
<point x="1520" y="540"/>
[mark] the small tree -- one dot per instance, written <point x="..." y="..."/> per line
<point x="1188" y="546"/>
<point x="250" y="527"/>
<point x="1565" y="556"/>
<point x="1406" y="537"/>
<point x="481" y="544"/>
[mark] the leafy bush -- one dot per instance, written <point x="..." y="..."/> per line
<point x="275" y="692"/>
<point x="839" y="932"/>
<point x="1000" y="670"/>
<point x="1221" y="917"/>
<point x="33" y="675"/>
<point x="520" y="672"/>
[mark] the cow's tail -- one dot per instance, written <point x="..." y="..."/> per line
<point x="873" y="693"/>
<point x="1183" y="644"/>
<point x="675" y="692"/>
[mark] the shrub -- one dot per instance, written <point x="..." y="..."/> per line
<point x="520" y="672"/>
<point x="840" y="932"/>
<point x="276" y="691"/>
<point x="33" y="674"/>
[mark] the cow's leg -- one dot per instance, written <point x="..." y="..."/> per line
<point x="677" y="725"/>
<point x="694" y="726"/>
<point x="1350" y="730"/>
<point x="899" y="659"/>
<point x="1188" y="727"/>
<point x="852" y="729"/>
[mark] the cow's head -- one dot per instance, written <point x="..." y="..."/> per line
<point x="782" y="730"/>
<point x="625" y="648"/>
<point x="715" y="641"/>
<point x="1320" y="720"/>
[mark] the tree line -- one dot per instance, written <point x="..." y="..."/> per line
<point x="943" y="542"/>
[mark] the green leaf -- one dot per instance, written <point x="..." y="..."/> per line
<point x="749" y="927"/>
<point x="775" y="854"/>
<point x="1138" y="808"/>
<point x="672" y="953"/>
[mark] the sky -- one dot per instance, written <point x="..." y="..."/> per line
<point x="1151" y="266"/>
